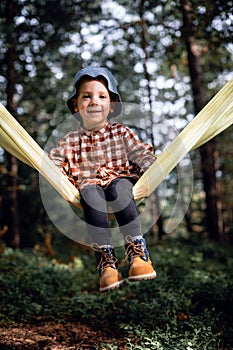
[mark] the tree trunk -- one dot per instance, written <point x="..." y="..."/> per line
<point x="214" y="213"/>
<point x="10" y="203"/>
<point x="214" y="220"/>
<point x="157" y="209"/>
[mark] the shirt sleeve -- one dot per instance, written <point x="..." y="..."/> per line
<point x="58" y="156"/>
<point x="139" y="154"/>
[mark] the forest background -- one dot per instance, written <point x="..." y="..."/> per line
<point x="169" y="57"/>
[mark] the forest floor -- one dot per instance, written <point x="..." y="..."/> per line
<point x="55" y="336"/>
<point x="51" y="303"/>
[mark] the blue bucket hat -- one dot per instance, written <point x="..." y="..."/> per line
<point x="95" y="72"/>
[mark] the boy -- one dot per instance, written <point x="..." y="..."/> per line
<point x="104" y="160"/>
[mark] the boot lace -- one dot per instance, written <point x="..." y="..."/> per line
<point x="107" y="259"/>
<point x="135" y="249"/>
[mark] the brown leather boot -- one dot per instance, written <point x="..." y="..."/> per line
<point x="107" y="265"/>
<point x="140" y="264"/>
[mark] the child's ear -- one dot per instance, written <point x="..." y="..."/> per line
<point x="75" y="104"/>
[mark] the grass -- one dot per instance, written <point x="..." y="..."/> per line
<point x="188" y="306"/>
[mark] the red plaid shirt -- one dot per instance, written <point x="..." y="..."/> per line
<point x="98" y="157"/>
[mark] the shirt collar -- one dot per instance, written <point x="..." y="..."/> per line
<point x="90" y="132"/>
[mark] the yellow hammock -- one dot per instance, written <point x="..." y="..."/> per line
<point x="215" y="117"/>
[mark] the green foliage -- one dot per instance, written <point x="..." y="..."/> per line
<point x="188" y="306"/>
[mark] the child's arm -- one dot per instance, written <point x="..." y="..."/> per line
<point x="139" y="153"/>
<point x="58" y="156"/>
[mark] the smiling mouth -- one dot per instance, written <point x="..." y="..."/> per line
<point x="94" y="110"/>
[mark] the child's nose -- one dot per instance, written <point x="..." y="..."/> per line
<point x="94" y="100"/>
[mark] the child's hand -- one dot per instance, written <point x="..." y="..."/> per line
<point x="142" y="191"/>
<point x="71" y="180"/>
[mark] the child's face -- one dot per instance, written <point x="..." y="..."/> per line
<point x="93" y="104"/>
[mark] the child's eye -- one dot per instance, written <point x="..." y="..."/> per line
<point x="103" y="96"/>
<point x="86" y="96"/>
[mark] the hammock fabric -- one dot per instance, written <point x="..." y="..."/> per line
<point x="215" y="117"/>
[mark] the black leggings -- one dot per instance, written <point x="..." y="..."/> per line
<point x="96" y="201"/>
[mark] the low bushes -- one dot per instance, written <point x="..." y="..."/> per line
<point x="188" y="306"/>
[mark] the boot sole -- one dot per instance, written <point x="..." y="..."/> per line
<point x="111" y="287"/>
<point x="149" y="276"/>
